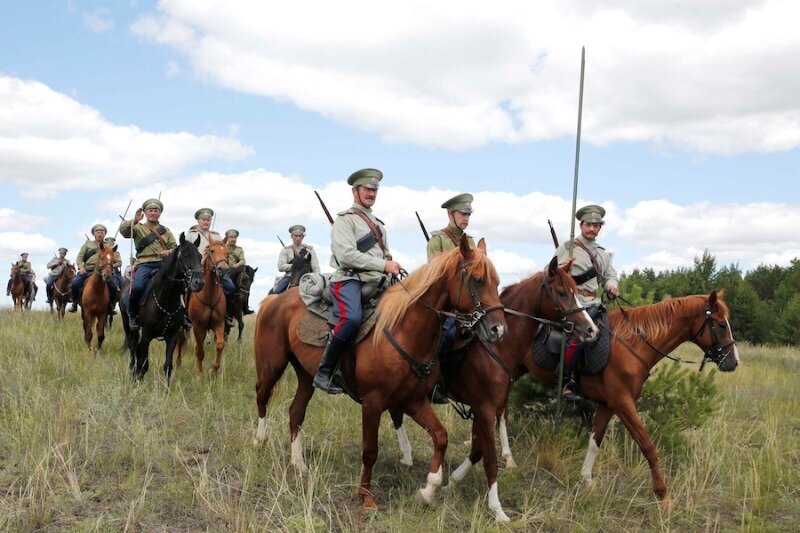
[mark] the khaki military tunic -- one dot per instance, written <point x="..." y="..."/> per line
<point x="88" y="263"/>
<point x="235" y="256"/>
<point x="205" y="236"/>
<point x="152" y="252"/>
<point x="606" y="277"/>
<point x="442" y="242"/>
<point x="24" y="266"/>
<point x="288" y="252"/>
<point x="56" y="265"/>
<point x="350" y="262"/>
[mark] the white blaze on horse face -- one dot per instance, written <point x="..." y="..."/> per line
<point x="434" y="481"/>
<point x="494" y="505"/>
<point x="588" y="462"/>
<point x="593" y="330"/>
<point x="405" y="446"/>
<point x="735" y="349"/>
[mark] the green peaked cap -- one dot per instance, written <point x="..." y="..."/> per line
<point x="591" y="213"/>
<point x="459" y="202"/>
<point x="297" y="229"/>
<point x="366" y="177"/>
<point x="203" y="212"/>
<point x="153" y="202"/>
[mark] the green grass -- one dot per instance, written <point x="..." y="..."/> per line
<point x="83" y="448"/>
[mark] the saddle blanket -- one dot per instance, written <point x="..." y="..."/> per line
<point x="592" y="356"/>
<point x="313" y="329"/>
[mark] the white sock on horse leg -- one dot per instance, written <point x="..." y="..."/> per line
<point x="504" y="443"/>
<point x="494" y="504"/>
<point x="297" y="453"/>
<point x="460" y="472"/>
<point x="588" y="462"/>
<point x="405" y="446"/>
<point x="434" y="481"/>
<point x="261" y="432"/>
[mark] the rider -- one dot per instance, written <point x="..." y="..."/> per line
<point x="110" y="242"/>
<point x="287" y="255"/>
<point x="56" y="265"/>
<point x="153" y="242"/>
<point x="236" y="263"/>
<point x="459" y="211"/>
<point x="86" y="261"/>
<point x="592" y="270"/>
<point x="24" y="267"/>
<point x="359" y="255"/>
<point x="204" y="217"/>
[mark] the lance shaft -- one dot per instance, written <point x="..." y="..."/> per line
<point x="123" y="218"/>
<point x="422" y="227"/>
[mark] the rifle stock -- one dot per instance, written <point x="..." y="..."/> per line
<point x="324" y="208"/>
<point x="422" y="227"/>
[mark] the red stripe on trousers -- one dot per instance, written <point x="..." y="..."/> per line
<point x="342" y="308"/>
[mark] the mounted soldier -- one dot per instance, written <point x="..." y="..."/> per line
<point x="360" y="255"/>
<point x="28" y="276"/>
<point x="459" y="211"/>
<point x="111" y="242"/>
<point x="153" y="242"/>
<point x="56" y="265"/>
<point x="288" y="255"/>
<point x="204" y="217"/>
<point x="237" y="263"/>
<point x="592" y="270"/>
<point x="86" y="261"/>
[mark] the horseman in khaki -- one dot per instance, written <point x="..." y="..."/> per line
<point x="360" y="254"/>
<point x="86" y="261"/>
<point x="592" y="270"/>
<point x="153" y="242"/>
<point x="28" y="277"/>
<point x="111" y="242"/>
<point x="56" y="265"/>
<point x="459" y="211"/>
<point x="290" y="253"/>
<point x="237" y="263"/>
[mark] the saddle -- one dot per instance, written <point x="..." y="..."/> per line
<point x="592" y="357"/>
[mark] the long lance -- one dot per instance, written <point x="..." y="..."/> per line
<point x="123" y="218"/>
<point x="572" y="221"/>
<point x="281" y="241"/>
<point x="324" y="208"/>
<point x="422" y="227"/>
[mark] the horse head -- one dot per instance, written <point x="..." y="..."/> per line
<point x="473" y="292"/>
<point x="714" y="335"/>
<point x="105" y="261"/>
<point x="189" y="263"/>
<point x="301" y="265"/>
<point x="560" y="288"/>
<point x="216" y="258"/>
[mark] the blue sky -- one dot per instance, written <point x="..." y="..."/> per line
<point x="691" y="122"/>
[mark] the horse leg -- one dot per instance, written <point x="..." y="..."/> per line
<point x="87" y="328"/>
<point x="171" y="341"/>
<point x="199" y="350"/>
<point x="219" y="337"/>
<point x="484" y="432"/>
<point x="425" y="416"/>
<point x="402" y="437"/>
<point x="268" y="376"/>
<point x="101" y="330"/>
<point x="142" y="356"/>
<point x="502" y="419"/>
<point x="370" y="422"/>
<point x="475" y="455"/>
<point x="626" y="411"/>
<point x="179" y="347"/>
<point x="297" y="414"/>
<point x="601" y="418"/>
<point x="240" y="321"/>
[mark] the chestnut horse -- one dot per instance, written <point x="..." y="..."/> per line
<point x="61" y="293"/>
<point x="640" y="338"/>
<point x="96" y="296"/>
<point x="207" y="308"/>
<point x="395" y="367"/>
<point x="483" y="379"/>
<point x="20" y="294"/>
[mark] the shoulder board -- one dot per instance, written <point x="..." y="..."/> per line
<point x="346" y="212"/>
<point x="437" y="232"/>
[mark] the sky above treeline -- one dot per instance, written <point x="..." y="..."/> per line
<point x="691" y="123"/>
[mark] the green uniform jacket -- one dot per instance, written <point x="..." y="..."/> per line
<point x="87" y="263"/>
<point x="152" y="251"/>
<point x="24" y="266"/>
<point x="56" y="265"/>
<point x="117" y="260"/>
<point x="441" y="241"/>
<point x="194" y="231"/>
<point x="287" y="254"/>
<point x="235" y="256"/>
<point x="350" y="263"/>
<point x="606" y="278"/>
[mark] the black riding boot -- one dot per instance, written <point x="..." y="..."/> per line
<point x="324" y="378"/>
<point x="49" y="295"/>
<point x="229" y="311"/>
<point x="74" y="307"/>
<point x="133" y="315"/>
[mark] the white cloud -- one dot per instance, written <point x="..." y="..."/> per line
<point x="11" y="219"/>
<point x="50" y="143"/>
<point x="13" y="243"/>
<point x="99" y="20"/>
<point x="704" y="76"/>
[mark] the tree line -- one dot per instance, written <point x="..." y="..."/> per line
<point x="764" y="302"/>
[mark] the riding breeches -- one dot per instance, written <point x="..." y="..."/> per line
<point x="346" y="308"/>
<point x="76" y="285"/>
<point x="281" y="286"/>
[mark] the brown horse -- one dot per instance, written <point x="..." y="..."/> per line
<point x="61" y="291"/>
<point x="207" y="307"/>
<point x="95" y="297"/>
<point x="640" y="338"/>
<point x="483" y="379"/>
<point x="20" y="293"/>
<point x="395" y="367"/>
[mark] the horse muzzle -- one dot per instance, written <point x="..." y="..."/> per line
<point x="491" y="329"/>
<point x="196" y="284"/>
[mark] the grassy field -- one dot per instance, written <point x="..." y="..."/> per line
<point x="83" y="448"/>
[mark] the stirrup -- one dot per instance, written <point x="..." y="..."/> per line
<point x="330" y="387"/>
<point x="569" y="394"/>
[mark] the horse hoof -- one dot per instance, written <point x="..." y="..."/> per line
<point x="425" y="494"/>
<point x="407" y="461"/>
<point x="666" y="504"/>
<point x="370" y="504"/>
<point x="501" y="516"/>
<point x="510" y="462"/>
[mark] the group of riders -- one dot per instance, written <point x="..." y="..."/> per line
<point x="360" y="255"/>
<point x="152" y="242"/>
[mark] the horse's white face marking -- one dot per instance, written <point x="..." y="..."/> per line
<point x="735" y="348"/>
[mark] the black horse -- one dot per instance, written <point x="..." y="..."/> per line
<point x="243" y="277"/>
<point x="161" y="314"/>
<point x="301" y="264"/>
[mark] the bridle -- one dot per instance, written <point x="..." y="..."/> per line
<point x="187" y="274"/>
<point x="564" y="324"/>
<point x="472" y="318"/>
<point x="717" y="352"/>
<point x="216" y="268"/>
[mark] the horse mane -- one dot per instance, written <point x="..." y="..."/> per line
<point x="168" y="263"/>
<point x="655" y="319"/>
<point x="400" y="297"/>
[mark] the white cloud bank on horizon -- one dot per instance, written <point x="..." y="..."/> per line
<point x="51" y="143"/>
<point x="709" y="77"/>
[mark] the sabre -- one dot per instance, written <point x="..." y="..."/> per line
<point x="572" y="222"/>
<point x="123" y="218"/>
<point x="422" y="227"/>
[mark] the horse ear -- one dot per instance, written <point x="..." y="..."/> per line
<point x="482" y="244"/>
<point x="712" y="300"/>
<point x="553" y="266"/>
<point x="182" y="238"/>
<point x="115" y="247"/>
<point x="567" y="265"/>
<point x="197" y="242"/>
<point x="225" y="240"/>
<point x="255" y="270"/>
<point x="463" y="247"/>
